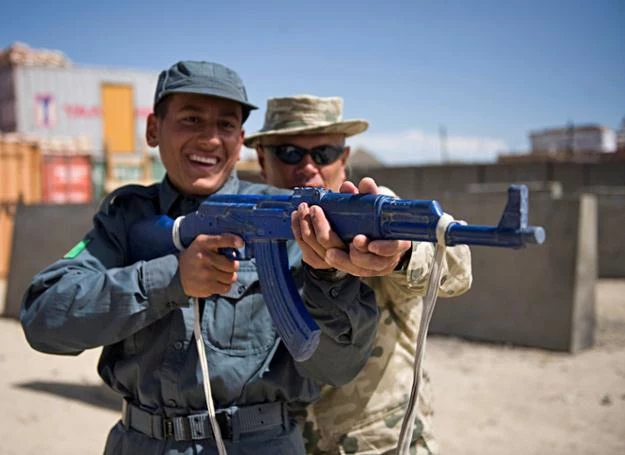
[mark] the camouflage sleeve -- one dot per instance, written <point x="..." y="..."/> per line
<point x="404" y="286"/>
<point x="456" y="277"/>
<point x="401" y="287"/>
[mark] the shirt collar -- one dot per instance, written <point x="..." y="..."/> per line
<point x="168" y="194"/>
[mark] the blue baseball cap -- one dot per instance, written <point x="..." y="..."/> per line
<point x="203" y="78"/>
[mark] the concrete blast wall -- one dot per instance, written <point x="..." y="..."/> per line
<point x="539" y="296"/>
<point x="611" y="210"/>
<point x="42" y="235"/>
<point x="606" y="180"/>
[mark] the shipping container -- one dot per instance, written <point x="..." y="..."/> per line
<point x="109" y="106"/>
<point x="7" y="212"/>
<point x="44" y="95"/>
<point x="67" y="179"/>
<point x="20" y="181"/>
<point x="142" y="170"/>
<point x="98" y="178"/>
<point x="20" y="171"/>
<point x="8" y="122"/>
<point x="158" y="169"/>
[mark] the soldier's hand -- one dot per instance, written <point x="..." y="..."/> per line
<point x="366" y="257"/>
<point x="369" y="258"/>
<point x="314" y="235"/>
<point x="204" y="271"/>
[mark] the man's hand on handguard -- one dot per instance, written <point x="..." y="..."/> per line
<point x="314" y="235"/>
<point x="322" y="248"/>
<point x="204" y="271"/>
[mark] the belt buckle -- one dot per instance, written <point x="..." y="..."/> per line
<point x="168" y="429"/>
<point x="224" y="420"/>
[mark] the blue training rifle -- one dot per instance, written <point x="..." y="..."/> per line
<point x="264" y="223"/>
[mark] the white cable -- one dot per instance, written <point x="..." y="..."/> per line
<point x="441" y="228"/>
<point x="175" y="233"/>
<point x="429" y="301"/>
<point x="197" y="331"/>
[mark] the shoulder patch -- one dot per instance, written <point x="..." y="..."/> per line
<point x="77" y="249"/>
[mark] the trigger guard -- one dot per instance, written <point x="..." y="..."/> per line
<point x="231" y="253"/>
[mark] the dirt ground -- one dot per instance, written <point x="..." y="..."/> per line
<point x="489" y="399"/>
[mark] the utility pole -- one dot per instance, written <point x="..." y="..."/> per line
<point x="570" y="139"/>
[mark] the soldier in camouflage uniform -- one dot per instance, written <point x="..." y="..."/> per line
<point x="302" y="143"/>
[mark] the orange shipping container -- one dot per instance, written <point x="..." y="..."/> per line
<point x="6" y="238"/>
<point x="67" y="179"/>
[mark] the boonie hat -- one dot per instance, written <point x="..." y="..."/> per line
<point x="305" y="114"/>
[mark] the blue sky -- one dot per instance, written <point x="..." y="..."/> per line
<point x="486" y="71"/>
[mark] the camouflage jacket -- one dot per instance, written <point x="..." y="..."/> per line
<point x="365" y="415"/>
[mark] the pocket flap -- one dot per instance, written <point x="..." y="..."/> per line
<point x="246" y="278"/>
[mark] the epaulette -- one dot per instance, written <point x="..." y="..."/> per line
<point x="114" y="198"/>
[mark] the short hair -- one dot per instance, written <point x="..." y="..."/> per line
<point x="160" y="110"/>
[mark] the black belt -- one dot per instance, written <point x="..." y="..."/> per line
<point x="232" y="422"/>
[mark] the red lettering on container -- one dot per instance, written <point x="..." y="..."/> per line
<point x="81" y="111"/>
<point x="143" y="112"/>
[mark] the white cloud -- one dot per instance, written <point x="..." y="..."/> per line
<point x="416" y="146"/>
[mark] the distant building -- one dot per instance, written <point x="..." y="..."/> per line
<point x="620" y="139"/>
<point x="573" y="141"/>
<point x="578" y="143"/>
<point x="361" y="158"/>
<point x="248" y="165"/>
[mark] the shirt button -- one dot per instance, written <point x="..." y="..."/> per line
<point x="334" y="292"/>
<point x="172" y="403"/>
<point x="178" y="345"/>
<point x="241" y="289"/>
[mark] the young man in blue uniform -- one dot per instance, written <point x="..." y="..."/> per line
<point x="140" y="312"/>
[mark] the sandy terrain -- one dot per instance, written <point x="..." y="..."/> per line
<point x="489" y="399"/>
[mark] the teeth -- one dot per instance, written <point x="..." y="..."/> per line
<point x="203" y="159"/>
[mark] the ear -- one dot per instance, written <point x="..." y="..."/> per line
<point x="260" y="153"/>
<point x="240" y="146"/>
<point x="151" y="131"/>
<point x="345" y="155"/>
<point x="344" y="165"/>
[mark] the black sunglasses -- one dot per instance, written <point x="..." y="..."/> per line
<point x="293" y="154"/>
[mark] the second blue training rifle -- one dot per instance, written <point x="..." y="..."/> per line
<point x="264" y="223"/>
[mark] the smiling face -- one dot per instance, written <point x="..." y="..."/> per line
<point x="306" y="172"/>
<point x="199" y="139"/>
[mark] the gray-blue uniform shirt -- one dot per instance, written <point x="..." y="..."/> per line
<point x="140" y="315"/>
